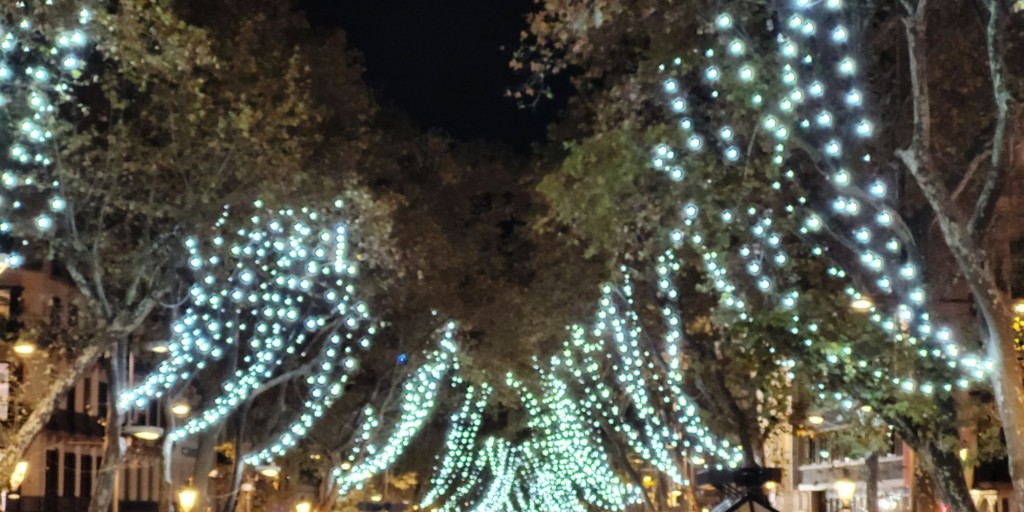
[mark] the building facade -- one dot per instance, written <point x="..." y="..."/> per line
<point x="65" y="458"/>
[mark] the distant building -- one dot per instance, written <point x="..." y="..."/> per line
<point x="64" y="459"/>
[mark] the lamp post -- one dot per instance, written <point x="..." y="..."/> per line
<point x="187" y="498"/>
<point x="845" y="489"/>
<point x="17" y="478"/>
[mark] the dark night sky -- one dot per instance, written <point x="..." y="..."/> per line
<point x="442" y="61"/>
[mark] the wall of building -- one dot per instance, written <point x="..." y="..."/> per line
<point x="65" y="458"/>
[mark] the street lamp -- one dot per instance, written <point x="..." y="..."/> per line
<point x="304" y="506"/>
<point x="845" y="489"/>
<point x="181" y="409"/>
<point x="18" y="476"/>
<point x="144" y="432"/>
<point x="269" y="470"/>
<point x="24" y="347"/>
<point x="187" y="498"/>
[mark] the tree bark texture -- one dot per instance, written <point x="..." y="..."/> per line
<point x="992" y="304"/>
<point x="238" y="469"/>
<point x="943" y="468"/>
<point x="206" y="456"/>
<point x="871" y="486"/>
<point x="113" y="453"/>
<point x="19" y="441"/>
<point x="946" y="470"/>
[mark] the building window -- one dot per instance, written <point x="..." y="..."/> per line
<point x="86" y="479"/>
<point x="71" y="402"/>
<point x="87" y="396"/>
<point x="153" y="413"/>
<point x="70" y="471"/>
<point x="103" y="400"/>
<point x="1017" y="267"/>
<point x="52" y="476"/>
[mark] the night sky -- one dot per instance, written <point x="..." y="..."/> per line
<point x="442" y="62"/>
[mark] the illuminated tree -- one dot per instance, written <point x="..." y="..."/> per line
<point x="120" y="145"/>
<point x="775" y="146"/>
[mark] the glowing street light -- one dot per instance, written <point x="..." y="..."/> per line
<point x="18" y="476"/>
<point x="24" y="347"/>
<point x="144" y="432"/>
<point x="156" y="347"/>
<point x="846" y="489"/>
<point x="269" y="470"/>
<point x="187" y="498"/>
<point x="181" y="409"/>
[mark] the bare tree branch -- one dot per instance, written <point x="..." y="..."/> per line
<point x="995" y="177"/>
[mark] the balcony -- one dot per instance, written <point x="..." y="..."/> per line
<point x="67" y="504"/>
<point x="76" y="423"/>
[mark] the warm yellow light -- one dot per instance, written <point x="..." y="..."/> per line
<point x="187" y="498"/>
<point x="815" y="419"/>
<point x="648" y="481"/>
<point x="1019" y="307"/>
<point x="964" y="452"/>
<point x="376" y="497"/>
<point x="24" y="348"/>
<point x="770" y="485"/>
<point x="697" y="460"/>
<point x="303" y="506"/>
<point x="18" y="476"/>
<point x="181" y="409"/>
<point x="845" y="489"/>
<point x="269" y="470"/>
<point x="144" y="432"/>
<point x="345" y="466"/>
<point x="157" y="347"/>
<point x="862" y="304"/>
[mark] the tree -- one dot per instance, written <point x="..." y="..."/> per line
<point x="592" y="35"/>
<point x="149" y="133"/>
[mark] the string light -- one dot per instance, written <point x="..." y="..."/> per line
<point x="276" y="290"/>
<point x="418" y="399"/>
<point x="38" y="70"/>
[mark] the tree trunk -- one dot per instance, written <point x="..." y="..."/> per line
<point x="631" y="471"/>
<point x="922" y="495"/>
<point x="239" y="465"/>
<point x="942" y="466"/>
<point x="871" y="489"/>
<point x="113" y="453"/>
<point x="166" y="485"/>
<point x="947" y="471"/>
<point x="661" y="492"/>
<point x="964" y="239"/>
<point x="19" y="441"/>
<point x="167" y="491"/>
<point x="328" y="495"/>
<point x="1008" y="385"/>
<point x="206" y="456"/>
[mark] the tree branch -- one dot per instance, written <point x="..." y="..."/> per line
<point x="995" y="177"/>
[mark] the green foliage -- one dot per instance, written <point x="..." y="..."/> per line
<point x="605" y="190"/>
